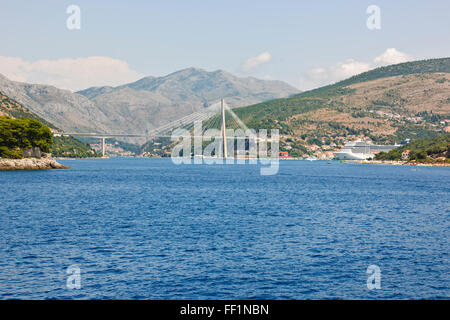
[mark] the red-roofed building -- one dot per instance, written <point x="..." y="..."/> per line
<point x="284" y="154"/>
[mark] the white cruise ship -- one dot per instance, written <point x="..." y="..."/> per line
<point x="361" y="150"/>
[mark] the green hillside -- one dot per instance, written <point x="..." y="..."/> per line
<point x="17" y="135"/>
<point x="423" y="150"/>
<point x="69" y="147"/>
<point x="387" y="104"/>
<point x="414" y="67"/>
<point x="281" y="109"/>
<point x="59" y="146"/>
<point x="16" y="110"/>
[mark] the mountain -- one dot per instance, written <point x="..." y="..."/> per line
<point x="153" y="101"/>
<point x="61" y="146"/>
<point x="13" y="109"/>
<point x="387" y="104"/>
<point x="67" y="110"/>
<point x="401" y="69"/>
<point x="141" y="105"/>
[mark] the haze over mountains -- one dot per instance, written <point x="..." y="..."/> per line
<point x="144" y="104"/>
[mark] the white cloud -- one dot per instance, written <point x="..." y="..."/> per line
<point x="322" y="76"/>
<point x="268" y="77"/>
<point x="318" y="77"/>
<point x="392" y="56"/>
<point x="253" y="63"/>
<point x="73" y="74"/>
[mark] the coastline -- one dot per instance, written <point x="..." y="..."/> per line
<point x="30" y="164"/>
<point x="406" y="163"/>
<point x="86" y="158"/>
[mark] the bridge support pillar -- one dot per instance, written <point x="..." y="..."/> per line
<point x="224" y="131"/>
<point x="103" y="146"/>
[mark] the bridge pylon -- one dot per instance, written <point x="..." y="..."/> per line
<point x="103" y="146"/>
<point x="224" y="130"/>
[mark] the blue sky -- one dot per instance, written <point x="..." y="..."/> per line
<point x="304" y="43"/>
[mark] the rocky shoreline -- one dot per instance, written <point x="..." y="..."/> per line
<point x="407" y="163"/>
<point x="30" y="164"/>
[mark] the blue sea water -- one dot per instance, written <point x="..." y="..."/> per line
<point x="148" y="229"/>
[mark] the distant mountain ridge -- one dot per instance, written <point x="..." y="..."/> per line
<point x="201" y="83"/>
<point x="63" y="108"/>
<point x="153" y="101"/>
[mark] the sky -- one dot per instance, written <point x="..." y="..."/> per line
<point x="304" y="43"/>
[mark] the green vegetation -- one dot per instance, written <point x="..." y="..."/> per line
<point x="272" y="114"/>
<point x="17" y="135"/>
<point x="402" y="69"/>
<point x="256" y="116"/>
<point x="301" y="115"/>
<point x="422" y="150"/>
<point x="430" y="117"/>
<point x="70" y="147"/>
<point x="158" y="147"/>
<point x="14" y="109"/>
<point x="410" y="131"/>
<point x="126" y="145"/>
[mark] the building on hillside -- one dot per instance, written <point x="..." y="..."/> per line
<point x="55" y="132"/>
<point x="329" y="155"/>
<point x="284" y="154"/>
<point x="313" y="147"/>
<point x="405" y="154"/>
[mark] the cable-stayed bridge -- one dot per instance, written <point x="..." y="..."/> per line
<point x="165" y="130"/>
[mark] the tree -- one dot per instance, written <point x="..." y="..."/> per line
<point x="22" y="134"/>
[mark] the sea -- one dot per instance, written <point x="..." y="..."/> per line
<point x="126" y="228"/>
